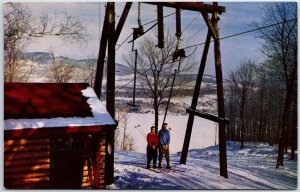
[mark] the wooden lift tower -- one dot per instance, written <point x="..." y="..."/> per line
<point x="210" y="13"/>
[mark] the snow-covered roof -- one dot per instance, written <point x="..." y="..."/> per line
<point x="46" y="105"/>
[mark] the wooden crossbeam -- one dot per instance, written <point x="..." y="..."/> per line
<point x="209" y="25"/>
<point x="192" y="6"/>
<point x="207" y="116"/>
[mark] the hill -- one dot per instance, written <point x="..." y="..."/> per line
<point x="250" y="168"/>
<point x="44" y="58"/>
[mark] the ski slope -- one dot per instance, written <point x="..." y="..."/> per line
<point x="250" y="168"/>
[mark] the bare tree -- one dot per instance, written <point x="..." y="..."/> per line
<point x="126" y="143"/>
<point x="280" y="45"/>
<point x="90" y="69"/>
<point x="21" y="27"/>
<point x="156" y="69"/>
<point x="243" y="81"/>
<point x="59" y="71"/>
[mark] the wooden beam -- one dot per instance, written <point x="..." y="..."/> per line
<point x="103" y="46"/>
<point x="192" y="6"/>
<point x="209" y="25"/>
<point x="207" y="116"/>
<point x="160" y="26"/>
<point x="101" y="58"/>
<point x="122" y="20"/>
<point x="110" y="94"/>
<point x="111" y="65"/>
<point x="190" y="122"/>
<point x="220" y="96"/>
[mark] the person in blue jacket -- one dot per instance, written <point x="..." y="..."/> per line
<point x="164" y="141"/>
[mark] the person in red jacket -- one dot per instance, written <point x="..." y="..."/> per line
<point x="152" y="140"/>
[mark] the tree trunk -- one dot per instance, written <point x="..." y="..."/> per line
<point x="294" y="131"/>
<point x="243" y="125"/>
<point x="156" y="113"/>
<point x="285" y="115"/>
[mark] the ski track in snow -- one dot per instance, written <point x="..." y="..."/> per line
<point x="249" y="168"/>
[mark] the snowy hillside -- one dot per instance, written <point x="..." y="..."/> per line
<point x="204" y="131"/>
<point x="250" y="168"/>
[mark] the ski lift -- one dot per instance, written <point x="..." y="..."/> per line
<point x="178" y="53"/>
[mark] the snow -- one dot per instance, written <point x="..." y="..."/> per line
<point x="203" y="134"/>
<point x="100" y="117"/>
<point x="250" y="168"/>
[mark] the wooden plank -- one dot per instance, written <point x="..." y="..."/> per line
<point x="207" y="116"/>
<point x="86" y="185"/>
<point x="85" y="179"/>
<point x="57" y="131"/>
<point x="27" y="181"/>
<point x="37" y="185"/>
<point x="192" y="6"/>
<point x="23" y="162"/>
<point x="26" y="148"/>
<point x="17" y="142"/>
<point x="26" y="155"/>
<point x="8" y="170"/>
<point x="27" y="175"/>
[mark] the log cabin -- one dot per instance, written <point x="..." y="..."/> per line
<point x="56" y="136"/>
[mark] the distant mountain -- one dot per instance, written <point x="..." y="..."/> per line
<point x="38" y="57"/>
<point x="45" y="58"/>
<point x="193" y="77"/>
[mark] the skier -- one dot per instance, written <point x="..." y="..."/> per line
<point x="164" y="141"/>
<point x="152" y="140"/>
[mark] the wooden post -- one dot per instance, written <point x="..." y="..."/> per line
<point x="99" y="164"/>
<point x="110" y="99"/>
<point x="101" y="57"/>
<point x="189" y="126"/>
<point x="122" y="20"/>
<point x="160" y="26"/>
<point x="134" y="78"/>
<point x="178" y="22"/>
<point x="220" y="96"/>
<point x="109" y="158"/>
<point x="103" y="45"/>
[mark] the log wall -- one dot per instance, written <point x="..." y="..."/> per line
<point x="29" y="164"/>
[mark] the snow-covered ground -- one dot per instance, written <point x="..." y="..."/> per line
<point x="250" y="168"/>
<point x="204" y="132"/>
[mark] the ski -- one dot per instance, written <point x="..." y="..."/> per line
<point x="163" y="170"/>
<point x="152" y="169"/>
<point x="155" y="170"/>
<point x="171" y="170"/>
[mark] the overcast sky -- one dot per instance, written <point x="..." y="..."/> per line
<point x="234" y="50"/>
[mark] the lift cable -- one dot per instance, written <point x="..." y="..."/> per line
<point x="244" y="32"/>
<point x="140" y="131"/>
<point x="150" y="69"/>
<point x="186" y="41"/>
<point x="146" y="31"/>
<point x="176" y="71"/>
<point x="191" y="22"/>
